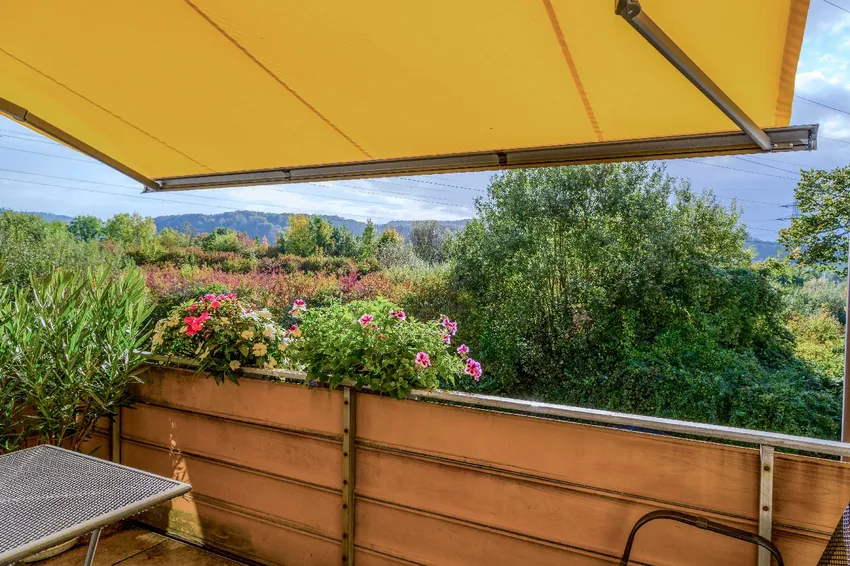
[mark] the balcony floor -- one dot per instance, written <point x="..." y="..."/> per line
<point x="129" y="545"/>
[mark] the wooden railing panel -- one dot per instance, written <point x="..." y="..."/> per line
<point x="300" y="506"/>
<point x="294" y="455"/>
<point x="681" y="472"/>
<point x="242" y="534"/>
<point x="810" y="493"/>
<point x="264" y="402"/>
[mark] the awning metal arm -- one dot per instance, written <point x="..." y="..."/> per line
<point x="631" y="11"/>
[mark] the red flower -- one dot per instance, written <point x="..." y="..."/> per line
<point x="191" y="308"/>
<point x="215" y="304"/>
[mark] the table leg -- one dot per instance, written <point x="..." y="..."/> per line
<point x="95" y="536"/>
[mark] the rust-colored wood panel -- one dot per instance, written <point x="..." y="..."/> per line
<point x="173" y="552"/>
<point x="241" y="535"/>
<point x="598" y="522"/>
<point x="254" y="400"/>
<point x="724" y="479"/>
<point x="799" y="548"/>
<point x="810" y="493"/>
<point x="294" y="455"/>
<point x="310" y="508"/>
<point x="367" y="557"/>
<point x="97" y="445"/>
<point x="428" y="539"/>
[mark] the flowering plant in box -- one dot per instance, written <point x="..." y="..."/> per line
<point x="376" y="344"/>
<point x="223" y="334"/>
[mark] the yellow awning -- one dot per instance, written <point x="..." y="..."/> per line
<point x="164" y="89"/>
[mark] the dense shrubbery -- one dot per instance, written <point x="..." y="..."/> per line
<point x="68" y="351"/>
<point x="615" y="286"/>
<point x="375" y="344"/>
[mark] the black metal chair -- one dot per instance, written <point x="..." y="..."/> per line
<point x="701" y="523"/>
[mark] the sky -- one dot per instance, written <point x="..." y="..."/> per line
<point x="69" y="183"/>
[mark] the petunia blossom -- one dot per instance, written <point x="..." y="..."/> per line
<point x="422" y="360"/>
<point x="447" y="339"/>
<point x="450" y="325"/>
<point x="463" y="350"/>
<point x="398" y="315"/>
<point x="259" y="349"/>
<point x="235" y="365"/>
<point x="366" y="319"/>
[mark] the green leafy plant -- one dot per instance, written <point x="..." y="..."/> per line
<point x="376" y="345"/>
<point x="222" y="334"/>
<point x="68" y="351"/>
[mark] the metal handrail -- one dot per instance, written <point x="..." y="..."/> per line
<point x="651" y="424"/>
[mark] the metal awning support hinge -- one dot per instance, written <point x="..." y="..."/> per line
<point x="631" y="11"/>
<point x="765" y="500"/>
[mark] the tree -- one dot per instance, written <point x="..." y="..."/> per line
<point x="172" y="238"/>
<point x="131" y="231"/>
<point x="223" y="239"/>
<point x="344" y="243"/>
<point x="390" y="237"/>
<point x="427" y="240"/>
<point x="298" y="239"/>
<point x="367" y="245"/>
<point x="819" y="235"/>
<point x="617" y="287"/>
<point x="86" y="228"/>
<point x="322" y="232"/>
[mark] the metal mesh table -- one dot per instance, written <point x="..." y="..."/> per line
<point x="837" y="552"/>
<point x="49" y="495"/>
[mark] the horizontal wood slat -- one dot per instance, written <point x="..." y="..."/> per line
<point x="255" y="400"/>
<point x="298" y="456"/>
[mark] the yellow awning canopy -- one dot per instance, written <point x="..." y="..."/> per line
<point x="165" y="89"/>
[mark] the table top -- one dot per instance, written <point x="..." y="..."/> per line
<point x="49" y="495"/>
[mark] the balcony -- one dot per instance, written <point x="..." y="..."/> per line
<point x="272" y="467"/>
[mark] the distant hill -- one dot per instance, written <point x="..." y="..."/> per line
<point x="765" y="249"/>
<point x="52" y="217"/>
<point x="268" y="224"/>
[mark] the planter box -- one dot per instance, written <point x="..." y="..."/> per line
<point x="439" y="484"/>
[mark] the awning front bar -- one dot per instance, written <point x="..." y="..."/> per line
<point x="631" y="11"/>
<point x="793" y="138"/>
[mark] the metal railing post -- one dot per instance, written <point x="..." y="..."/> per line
<point x="765" y="500"/>
<point x="349" y="413"/>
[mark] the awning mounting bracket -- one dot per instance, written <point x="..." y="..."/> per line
<point x="630" y="10"/>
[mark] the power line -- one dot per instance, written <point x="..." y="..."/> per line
<point x="27" y="133"/>
<point x="742" y="170"/>
<point x="766" y="165"/>
<point x="837" y="6"/>
<point x="371" y="193"/>
<point x="89" y="161"/>
<point x="815" y="102"/>
<point x="70" y="179"/>
<point x="833" y="139"/>
<point x="441" y="184"/>
<point x="34" y="140"/>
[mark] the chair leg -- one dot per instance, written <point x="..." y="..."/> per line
<point x="95" y="536"/>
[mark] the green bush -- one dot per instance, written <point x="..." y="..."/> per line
<point x="374" y="344"/>
<point x="68" y="351"/>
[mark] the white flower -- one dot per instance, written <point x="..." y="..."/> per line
<point x="157" y="339"/>
<point x="270" y="363"/>
<point x="264" y="313"/>
<point x="259" y="349"/>
<point x="247" y="334"/>
<point x="173" y="322"/>
<point x="268" y="331"/>
<point x="235" y="365"/>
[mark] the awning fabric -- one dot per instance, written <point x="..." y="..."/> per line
<point x="172" y="88"/>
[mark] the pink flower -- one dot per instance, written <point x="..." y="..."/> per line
<point x="447" y="339"/>
<point x="398" y="315"/>
<point x="366" y="319"/>
<point x="422" y="360"/>
<point x="209" y="297"/>
<point x="195" y="323"/>
<point x="298" y="305"/>
<point x="463" y="350"/>
<point x="473" y="368"/>
<point x="191" y="308"/>
<point x="449" y="325"/>
<point x="215" y="304"/>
